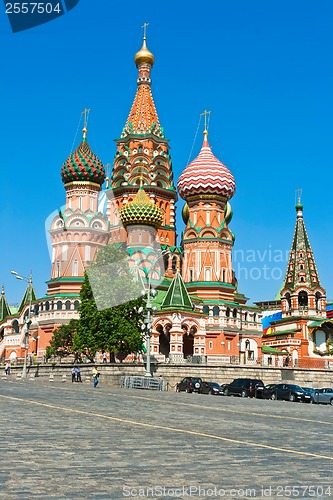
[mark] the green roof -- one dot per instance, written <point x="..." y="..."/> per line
<point x="177" y="296"/>
<point x="283" y="332"/>
<point x="266" y="349"/>
<point x="4" y="307"/>
<point x="28" y="297"/>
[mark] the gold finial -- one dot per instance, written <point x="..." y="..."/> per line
<point x="85" y="112"/>
<point x="144" y="55"/>
<point x="206" y="124"/>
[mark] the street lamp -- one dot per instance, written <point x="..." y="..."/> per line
<point x="148" y="294"/>
<point x="27" y="321"/>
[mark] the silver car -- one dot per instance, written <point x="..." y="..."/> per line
<point x="323" y="396"/>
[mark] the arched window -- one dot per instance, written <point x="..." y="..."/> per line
<point x="234" y="313"/>
<point x="67" y="305"/>
<point x="254" y="317"/>
<point x="15" y="326"/>
<point x="205" y="309"/>
<point x="174" y="263"/>
<point x="76" y="305"/>
<point x="59" y="305"/>
<point x="302" y="299"/>
<point x="75" y="268"/>
<point x="247" y="345"/>
<point x="227" y="312"/>
<point x="216" y="311"/>
<point x="288" y="299"/>
<point x="317" y="298"/>
<point x="47" y="306"/>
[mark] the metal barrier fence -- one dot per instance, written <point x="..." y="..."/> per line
<point x="132" y="382"/>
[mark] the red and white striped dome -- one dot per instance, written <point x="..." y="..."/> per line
<point x="206" y="175"/>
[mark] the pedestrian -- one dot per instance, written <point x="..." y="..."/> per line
<point x="7" y="369"/>
<point x="73" y="374"/>
<point x="95" y="374"/>
<point x="104" y="355"/>
<point x="78" y="374"/>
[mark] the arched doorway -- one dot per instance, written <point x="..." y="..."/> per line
<point x="164" y="339"/>
<point x="188" y="340"/>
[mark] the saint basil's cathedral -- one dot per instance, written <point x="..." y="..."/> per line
<point x="201" y="316"/>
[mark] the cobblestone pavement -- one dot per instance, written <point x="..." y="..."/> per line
<point x="75" y="442"/>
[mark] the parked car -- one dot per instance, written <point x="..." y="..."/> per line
<point x="311" y="391"/>
<point x="245" y="387"/>
<point x="323" y="396"/>
<point x="287" y="392"/>
<point x="212" y="388"/>
<point x="189" y="384"/>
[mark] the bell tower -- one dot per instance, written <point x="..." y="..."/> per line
<point x="302" y="293"/>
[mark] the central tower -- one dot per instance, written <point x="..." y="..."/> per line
<point x="143" y="158"/>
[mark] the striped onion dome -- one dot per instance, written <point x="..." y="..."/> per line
<point x="141" y="211"/>
<point x="83" y="165"/>
<point x="206" y="175"/>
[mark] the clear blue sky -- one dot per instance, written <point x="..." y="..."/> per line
<point x="263" y="69"/>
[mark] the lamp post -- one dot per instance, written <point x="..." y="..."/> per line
<point x="148" y="294"/>
<point x="27" y="321"/>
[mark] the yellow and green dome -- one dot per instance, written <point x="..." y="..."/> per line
<point x="141" y="211"/>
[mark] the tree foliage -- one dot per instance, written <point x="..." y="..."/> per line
<point x="61" y="344"/>
<point x="110" y="300"/>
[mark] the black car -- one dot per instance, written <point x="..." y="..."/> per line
<point x="212" y="388"/>
<point x="287" y="392"/>
<point x="310" y="391"/>
<point x="245" y="387"/>
<point x="189" y="384"/>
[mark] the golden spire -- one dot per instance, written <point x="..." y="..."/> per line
<point x="85" y="112"/>
<point x="144" y="55"/>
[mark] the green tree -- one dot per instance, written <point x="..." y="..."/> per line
<point x="61" y="344"/>
<point x="110" y="301"/>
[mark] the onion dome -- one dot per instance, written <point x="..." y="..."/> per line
<point x="141" y="211"/>
<point x="206" y="175"/>
<point x="299" y="205"/>
<point x="83" y="165"/>
<point x="228" y="213"/>
<point x="144" y="55"/>
<point x="186" y="213"/>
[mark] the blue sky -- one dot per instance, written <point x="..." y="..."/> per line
<point x="263" y="69"/>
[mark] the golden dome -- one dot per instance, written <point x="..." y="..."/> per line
<point x="144" y="55"/>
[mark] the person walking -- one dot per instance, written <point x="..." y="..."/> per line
<point x="95" y="374"/>
<point x="73" y="374"/>
<point x="78" y="374"/>
<point x="7" y="368"/>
